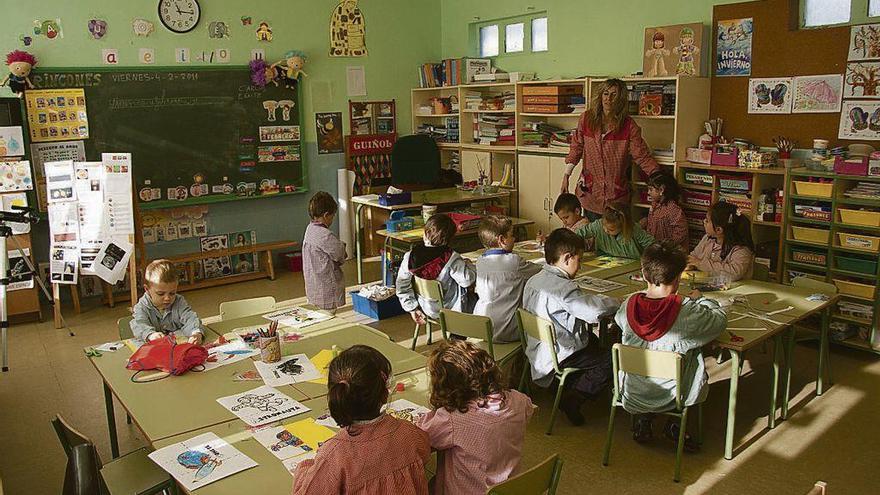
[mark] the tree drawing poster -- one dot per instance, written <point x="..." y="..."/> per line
<point x="817" y="94"/>
<point x="262" y="405"/>
<point x="733" y="47"/>
<point x="864" y="42"/>
<point x="290" y="369"/>
<point x="201" y="460"/>
<point x="862" y="80"/>
<point x="860" y="119"/>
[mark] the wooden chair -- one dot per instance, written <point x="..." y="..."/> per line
<point x="230" y="310"/>
<point x="477" y="327"/>
<point x="428" y="289"/>
<point x="652" y="364"/>
<point x="538" y="480"/>
<point x="124" y="325"/>
<point x="542" y="330"/>
<point x="133" y="473"/>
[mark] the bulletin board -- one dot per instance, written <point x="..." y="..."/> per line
<point x="196" y="135"/>
<point x="779" y="49"/>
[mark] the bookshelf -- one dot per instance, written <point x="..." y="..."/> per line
<point x="821" y="241"/>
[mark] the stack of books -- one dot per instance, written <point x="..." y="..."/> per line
<point x="664" y="156"/>
<point x="551" y="99"/>
<point x="447" y="132"/>
<point x="662" y="91"/>
<point x="495" y="130"/>
<point x="561" y="139"/>
<point x="454" y="162"/>
<point x="452" y="130"/>
<point x="537" y="133"/>
<point x="431" y="75"/>
<point x="472" y="100"/>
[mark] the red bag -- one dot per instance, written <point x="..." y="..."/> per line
<point x="168" y="356"/>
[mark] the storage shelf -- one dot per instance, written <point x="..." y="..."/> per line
<point x="448" y="146"/>
<point x="862" y="227"/>
<point x="851" y="319"/>
<point x="536" y="114"/>
<point x="809" y="221"/>
<point x="767" y="224"/>
<point x="857" y="343"/>
<point x="808" y="243"/>
<point x="654" y="117"/>
<point x="698" y="187"/>
<point x="860" y="202"/>
<point x="854" y="274"/>
<point x="810" y="198"/>
<point x="468" y="110"/>
<point x="741" y="170"/>
<point x="854" y="250"/>
<point x="429" y="115"/>
<point x="538" y="149"/>
<point x="487" y="147"/>
<point x="798" y="264"/>
<point x="857" y="298"/>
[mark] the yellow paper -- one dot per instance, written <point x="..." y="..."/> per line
<point x="608" y="261"/>
<point x="321" y="361"/>
<point x="311" y="433"/>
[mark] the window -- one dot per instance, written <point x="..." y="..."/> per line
<point x="539" y="34"/>
<point x="873" y="8"/>
<point x="513" y="37"/>
<point x="825" y="12"/>
<point x="489" y="40"/>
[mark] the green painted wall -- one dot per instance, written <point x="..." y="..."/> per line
<point x="401" y="34"/>
<point x="586" y="37"/>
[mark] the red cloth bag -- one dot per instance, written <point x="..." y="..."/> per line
<point x="168" y="356"/>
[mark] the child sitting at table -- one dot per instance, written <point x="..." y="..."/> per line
<point x="323" y="255"/>
<point x="666" y="220"/>
<point x="554" y="296"/>
<point x="615" y="234"/>
<point x="726" y="252"/>
<point x="568" y="209"/>
<point x="161" y="310"/>
<point x="372" y="452"/>
<point x="661" y="320"/>
<point x="478" y="423"/>
<point x="501" y="275"/>
<point x="433" y="259"/>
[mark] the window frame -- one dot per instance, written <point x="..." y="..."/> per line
<point x="498" y="41"/>
<point x="502" y="23"/>
<point x="858" y="14"/>
<point x="531" y="33"/>
<point x="522" y="41"/>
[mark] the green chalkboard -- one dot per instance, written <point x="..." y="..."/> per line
<point x="184" y="123"/>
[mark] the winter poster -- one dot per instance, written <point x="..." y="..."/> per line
<point x="734" y="48"/>
<point x="229" y="353"/>
<point x="262" y="405"/>
<point x="770" y="95"/>
<point x="860" y="119"/>
<point x="406" y="410"/>
<point x="864" y="42"/>
<point x="243" y="262"/>
<point x="817" y="94"/>
<point x="862" y="80"/>
<point x="290" y="369"/>
<point x="294" y="439"/>
<point x="201" y="460"/>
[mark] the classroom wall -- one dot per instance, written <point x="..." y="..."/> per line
<point x="400" y="34"/>
<point x="585" y="37"/>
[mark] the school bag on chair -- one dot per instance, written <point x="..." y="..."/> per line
<point x="167" y="355"/>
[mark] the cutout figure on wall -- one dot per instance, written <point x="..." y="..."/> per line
<point x="347" y="30"/>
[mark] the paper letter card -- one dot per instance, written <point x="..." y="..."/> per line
<point x="201" y="460"/>
<point x="262" y="405"/>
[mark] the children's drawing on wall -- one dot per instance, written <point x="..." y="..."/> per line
<point x="671" y="50"/>
<point x="817" y="94"/>
<point x="770" y="95"/>
<point x="347" y="30"/>
<point x="656" y="56"/>
<point x="329" y="128"/>
<point x="264" y="32"/>
<point x="734" y="47"/>
<point x="864" y="42"/>
<point x="860" y="119"/>
<point x="862" y="80"/>
<point x="50" y="28"/>
<point x="201" y="460"/>
<point x="97" y="28"/>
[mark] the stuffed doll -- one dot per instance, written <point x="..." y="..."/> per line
<point x="262" y="73"/>
<point x="20" y="64"/>
<point x="292" y="66"/>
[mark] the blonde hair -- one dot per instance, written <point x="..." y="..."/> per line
<point x="160" y="272"/>
<point x="619" y="110"/>
<point x="618" y="214"/>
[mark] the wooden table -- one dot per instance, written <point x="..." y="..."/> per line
<point x="219" y="328"/>
<point x="440" y="197"/>
<point x="589" y="264"/>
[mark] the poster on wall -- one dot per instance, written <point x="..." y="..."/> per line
<point x="15" y="176"/>
<point x="214" y="267"/>
<point x="817" y="94"/>
<point x="862" y="80"/>
<point x="56" y="152"/>
<point x="348" y="30"/>
<point x="329" y="129"/>
<point x="860" y="119"/>
<point x="864" y="42"/>
<point x="733" y="47"/>
<point x="770" y="95"/>
<point x="244" y="262"/>
<point x="57" y="114"/>
<point x="20" y="276"/>
<point x="674" y="50"/>
<point x="11" y="141"/>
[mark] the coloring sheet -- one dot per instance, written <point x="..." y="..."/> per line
<point x="15" y="176"/>
<point x="597" y="284"/>
<point x="406" y="410"/>
<point x="201" y="460"/>
<point x="860" y="119"/>
<point x="232" y="352"/>
<point x="817" y="94"/>
<point x="862" y="80"/>
<point x="864" y="42"/>
<point x="281" y="442"/>
<point x="326" y="420"/>
<point x="770" y="95"/>
<point x="289" y="370"/>
<point x="297" y="317"/>
<point x="11" y="141"/>
<point x="293" y="462"/>
<point x="608" y="261"/>
<point x="262" y="405"/>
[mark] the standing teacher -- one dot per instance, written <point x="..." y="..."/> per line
<point x="605" y="138"/>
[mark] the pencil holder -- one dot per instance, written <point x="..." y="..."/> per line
<point x="270" y="349"/>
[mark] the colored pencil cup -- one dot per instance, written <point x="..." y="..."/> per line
<point x="270" y="349"/>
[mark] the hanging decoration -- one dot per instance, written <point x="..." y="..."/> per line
<point x="19" y="64"/>
<point x="142" y="27"/>
<point x="97" y="28"/>
<point x="347" y="30"/>
<point x="291" y="67"/>
<point x="264" y="32"/>
<point x="218" y="29"/>
<point x="50" y="28"/>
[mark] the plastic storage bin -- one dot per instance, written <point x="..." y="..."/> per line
<point x="855" y="289"/>
<point x="809" y="257"/>
<point x="856" y="265"/>
<point x="816" y="189"/>
<point x="293" y="261"/>
<point x="859" y="241"/>
<point x="860" y="217"/>
<point x="810" y="235"/>
<point x="378" y="310"/>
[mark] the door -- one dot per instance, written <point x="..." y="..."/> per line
<point x="557" y="170"/>
<point x="474" y="161"/>
<point x="534" y="201"/>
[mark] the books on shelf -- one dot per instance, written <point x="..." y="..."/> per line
<point x="553" y="103"/>
<point x="652" y="98"/>
<point x="452" y="71"/>
<point x="537" y="133"/>
<point x="492" y="77"/>
<point x="474" y="100"/>
<point x="549" y="90"/>
<point x="664" y="156"/>
<point x="445" y="132"/>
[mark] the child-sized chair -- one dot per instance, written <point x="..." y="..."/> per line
<point x="538" y="480"/>
<point x="428" y="289"/>
<point x="124" y="325"/>
<point x="652" y="364"/>
<point x="542" y="330"/>
<point x="477" y="327"/>
<point x="133" y="473"/>
<point x="230" y="310"/>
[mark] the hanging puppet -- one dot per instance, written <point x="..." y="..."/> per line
<point x="686" y="50"/>
<point x="19" y="64"/>
<point x="262" y="73"/>
<point x="291" y="67"/>
<point x="347" y="31"/>
<point x="657" y="54"/>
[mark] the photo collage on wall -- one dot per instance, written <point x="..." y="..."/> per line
<point x="57" y="114"/>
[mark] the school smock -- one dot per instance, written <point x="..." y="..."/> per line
<point x="501" y="276"/>
<point x="697" y="323"/>
<point x="481" y="447"/>
<point x="617" y="245"/>
<point x="456" y="275"/>
<point x="736" y="266"/>
<point x="178" y="319"/>
<point x="666" y="222"/>
<point x="323" y="255"/>
<point x="552" y="295"/>
<point x="386" y="456"/>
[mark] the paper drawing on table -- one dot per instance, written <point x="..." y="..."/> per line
<point x="201" y="460"/>
<point x="597" y="284"/>
<point x="229" y="353"/>
<point x="290" y="369"/>
<point x="262" y="405"/>
<point x="406" y="410"/>
<point x="281" y="442"/>
<point x="297" y="317"/>
<point x="608" y="261"/>
<point x="326" y="420"/>
<point x="530" y="247"/>
<point x="291" y="463"/>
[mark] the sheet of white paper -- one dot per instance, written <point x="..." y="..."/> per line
<point x="201" y="460"/>
<point x="63" y="263"/>
<point x="262" y="405"/>
<point x="406" y="410"/>
<point x="19" y="272"/>
<point x="290" y="369"/>
<point x="232" y="352"/>
<point x="63" y="223"/>
<point x="297" y="317"/>
<point x="16" y="199"/>
<point x="597" y="284"/>
<point x="42" y="153"/>
<point x="91" y="213"/>
<point x="293" y="462"/>
<point x="281" y="443"/>
<point x="326" y="420"/>
<point x="110" y="346"/>
<point x="59" y="181"/>
<point x="356" y="81"/>
<point x="112" y="260"/>
<point x="117" y="193"/>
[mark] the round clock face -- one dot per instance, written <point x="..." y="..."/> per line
<point x="179" y="16"/>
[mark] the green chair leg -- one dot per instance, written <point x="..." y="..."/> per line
<point x="415" y="337"/>
<point x="429" y="331"/>
<point x="523" y="375"/>
<point x="607" y="455"/>
<point x="555" y="409"/>
<point x="680" y="447"/>
<point x="720" y="358"/>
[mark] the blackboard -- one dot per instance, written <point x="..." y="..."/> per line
<point x="181" y="124"/>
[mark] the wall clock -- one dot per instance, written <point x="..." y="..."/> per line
<point x="179" y="16"/>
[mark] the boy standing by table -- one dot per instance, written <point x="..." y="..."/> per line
<point x="323" y="255"/>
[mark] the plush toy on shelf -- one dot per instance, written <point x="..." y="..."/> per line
<point x="19" y="64"/>
<point x="262" y="73"/>
<point x="293" y="63"/>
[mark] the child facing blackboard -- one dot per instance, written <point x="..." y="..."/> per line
<point x="323" y="255"/>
